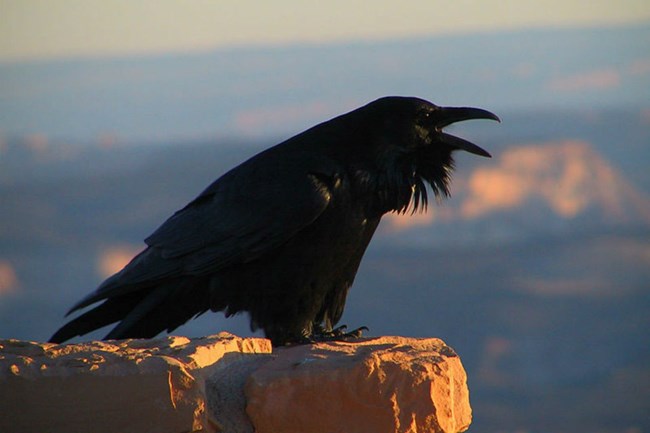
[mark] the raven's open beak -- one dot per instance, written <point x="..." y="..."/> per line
<point x="448" y="115"/>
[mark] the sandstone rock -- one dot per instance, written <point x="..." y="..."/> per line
<point x="115" y="386"/>
<point x="228" y="384"/>
<point x="387" y="384"/>
<point x="225" y="398"/>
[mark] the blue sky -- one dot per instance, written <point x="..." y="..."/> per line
<point x="44" y="29"/>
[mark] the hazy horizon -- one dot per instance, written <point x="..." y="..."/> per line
<point x="37" y="29"/>
<point x="264" y="92"/>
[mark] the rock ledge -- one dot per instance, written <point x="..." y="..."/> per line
<point x="224" y="383"/>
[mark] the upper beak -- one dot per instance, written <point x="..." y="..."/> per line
<point x="448" y="115"/>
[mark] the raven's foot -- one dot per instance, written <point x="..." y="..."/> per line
<point x="337" y="334"/>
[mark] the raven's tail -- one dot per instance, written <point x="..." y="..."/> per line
<point x="142" y="313"/>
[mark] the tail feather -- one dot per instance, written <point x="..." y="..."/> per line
<point x="147" y="267"/>
<point x="152" y="300"/>
<point x="166" y="317"/>
<point x="143" y="314"/>
<point x="110" y="311"/>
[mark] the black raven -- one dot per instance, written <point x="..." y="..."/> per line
<point x="282" y="235"/>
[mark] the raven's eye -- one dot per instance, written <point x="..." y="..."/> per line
<point x="425" y="117"/>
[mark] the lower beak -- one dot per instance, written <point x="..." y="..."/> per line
<point x="448" y="115"/>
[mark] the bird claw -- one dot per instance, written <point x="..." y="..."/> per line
<point x="336" y="334"/>
<point x="357" y="333"/>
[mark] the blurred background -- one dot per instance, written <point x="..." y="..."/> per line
<point x="537" y="271"/>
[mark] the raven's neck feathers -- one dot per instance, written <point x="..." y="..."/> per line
<point x="401" y="182"/>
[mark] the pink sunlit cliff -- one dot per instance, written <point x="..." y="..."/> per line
<point x="567" y="179"/>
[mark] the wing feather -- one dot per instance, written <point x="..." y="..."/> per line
<point x="246" y="213"/>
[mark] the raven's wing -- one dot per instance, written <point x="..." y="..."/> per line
<point x="249" y="211"/>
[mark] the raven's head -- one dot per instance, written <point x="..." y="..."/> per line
<point x="412" y="148"/>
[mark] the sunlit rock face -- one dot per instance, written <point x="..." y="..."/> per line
<point x="385" y="384"/>
<point x="224" y="383"/>
<point x="113" y="386"/>
<point x="569" y="177"/>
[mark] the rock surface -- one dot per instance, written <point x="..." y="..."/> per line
<point x="387" y="384"/>
<point x="224" y="383"/>
<point x="113" y="386"/>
